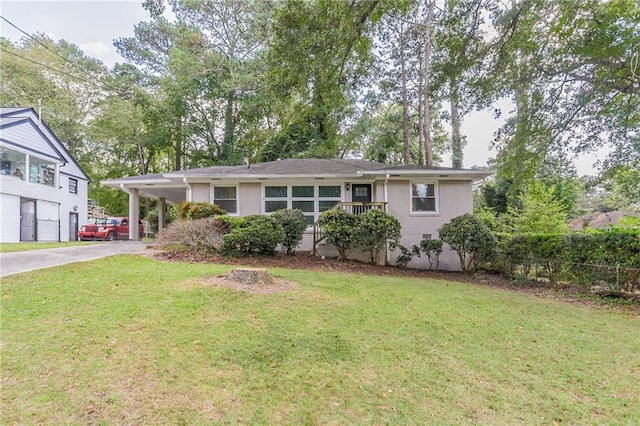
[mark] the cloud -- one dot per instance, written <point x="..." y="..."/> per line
<point x="96" y="49"/>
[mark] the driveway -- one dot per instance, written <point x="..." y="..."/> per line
<point x="16" y="262"/>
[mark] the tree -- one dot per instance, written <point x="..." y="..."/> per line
<point x="570" y="68"/>
<point x="318" y="53"/>
<point x="539" y="212"/>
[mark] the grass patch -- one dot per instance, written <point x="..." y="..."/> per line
<point x="13" y="247"/>
<point x="128" y="339"/>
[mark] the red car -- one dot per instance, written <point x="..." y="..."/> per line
<point x="108" y="229"/>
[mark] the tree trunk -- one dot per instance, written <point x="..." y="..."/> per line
<point x="405" y="103"/>
<point x="425" y="128"/>
<point x="456" y="138"/>
<point x="228" y="140"/>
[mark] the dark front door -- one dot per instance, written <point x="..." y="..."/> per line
<point x="361" y="193"/>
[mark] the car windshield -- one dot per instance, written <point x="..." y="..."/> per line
<point x="106" y="221"/>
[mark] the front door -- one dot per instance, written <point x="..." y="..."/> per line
<point x="361" y="193"/>
<point x="27" y="220"/>
<point x="73" y="226"/>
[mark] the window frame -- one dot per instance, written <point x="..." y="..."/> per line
<point x="237" y="199"/>
<point x="436" y="198"/>
<point x="73" y="189"/>
<point x="316" y="199"/>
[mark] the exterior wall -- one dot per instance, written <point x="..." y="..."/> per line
<point x="249" y="199"/>
<point x="9" y="218"/>
<point x="201" y="192"/>
<point x="455" y="198"/>
<point x="53" y="206"/>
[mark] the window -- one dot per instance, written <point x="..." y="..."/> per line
<point x="73" y="186"/>
<point x="41" y="171"/>
<point x="12" y="163"/>
<point x="311" y="199"/>
<point x="226" y="198"/>
<point x="423" y="198"/>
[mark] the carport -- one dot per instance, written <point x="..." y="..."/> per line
<point x="158" y="186"/>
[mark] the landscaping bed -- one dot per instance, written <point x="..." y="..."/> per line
<point x="568" y="292"/>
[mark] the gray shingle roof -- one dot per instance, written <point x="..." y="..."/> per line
<point x="290" y="167"/>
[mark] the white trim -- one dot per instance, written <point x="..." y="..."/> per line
<point x="290" y="199"/>
<point x="212" y="189"/>
<point x="436" y="192"/>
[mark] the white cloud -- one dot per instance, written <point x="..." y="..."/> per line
<point x="96" y="49"/>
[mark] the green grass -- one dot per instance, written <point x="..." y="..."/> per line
<point x="129" y="340"/>
<point x="12" y="247"/>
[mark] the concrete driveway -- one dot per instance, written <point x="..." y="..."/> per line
<point x="16" y="262"/>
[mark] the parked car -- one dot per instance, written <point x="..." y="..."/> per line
<point x="108" y="229"/>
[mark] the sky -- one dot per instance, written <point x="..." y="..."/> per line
<point x="94" y="25"/>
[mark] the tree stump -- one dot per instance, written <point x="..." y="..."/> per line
<point x="251" y="277"/>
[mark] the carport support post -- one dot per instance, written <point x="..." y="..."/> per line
<point x="134" y="233"/>
<point x="162" y="214"/>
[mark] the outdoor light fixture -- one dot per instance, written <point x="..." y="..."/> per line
<point x="348" y="186"/>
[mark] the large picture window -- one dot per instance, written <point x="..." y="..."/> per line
<point x="424" y="197"/>
<point x="311" y="199"/>
<point x="226" y="198"/>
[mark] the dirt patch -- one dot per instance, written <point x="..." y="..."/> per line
<point x="571" y="293"/>
<point x="275" y="285"/>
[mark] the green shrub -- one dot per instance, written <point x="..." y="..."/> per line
<point x="191" y="211"/>
<point x="294" y="224"/>
<point x="433" y="249"/>
<point x="234" y="222"/>
<point x="255" y="235"/>
<point x="470" y="238"/>
<point x="376" y="228"/>
<point x="201" y="234"/>
<point x="341" y="230"/>
<point x="406" y="255"/>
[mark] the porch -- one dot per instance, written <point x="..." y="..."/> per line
<point x="350" y="207"/>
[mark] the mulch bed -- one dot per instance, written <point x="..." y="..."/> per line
<point x="567" y="292"/>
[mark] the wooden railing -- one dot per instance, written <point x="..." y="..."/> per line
<point x="349" y="206"/>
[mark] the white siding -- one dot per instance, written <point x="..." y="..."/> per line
<point x="201" y="193"/>
<point x="9" y="218"/>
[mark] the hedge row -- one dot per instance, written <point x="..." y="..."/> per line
<point x="574" y="256"/>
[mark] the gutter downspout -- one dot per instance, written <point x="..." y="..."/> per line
<point x="386" y="210"/>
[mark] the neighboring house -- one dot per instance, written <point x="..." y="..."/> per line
<point x="599" y="220"/>
<point x="43" y="191"/>
<point x="421" y="198"/>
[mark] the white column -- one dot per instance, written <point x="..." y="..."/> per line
<point x="133" y="215"/>
<point x="162" y="214"/>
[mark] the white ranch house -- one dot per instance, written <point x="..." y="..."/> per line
<point x="421" y="198"/>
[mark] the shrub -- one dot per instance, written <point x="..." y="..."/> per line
<point x="293" y="224"/>
<point x="340" y="228"/>
<point x="201" y="234"/>
<point x="433" y="249"/>
<point x="191" y="211"/>
<point x="253" y="235"/>
<point x="470" y="238"/>
<point x="406" y="254"/>
<point x="375" y="229"/>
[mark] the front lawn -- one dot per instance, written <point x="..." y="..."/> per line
<point x="13" y="247"/>
<point x="129" y="339"/>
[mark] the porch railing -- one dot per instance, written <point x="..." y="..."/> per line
<point x="349" y="206"/>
